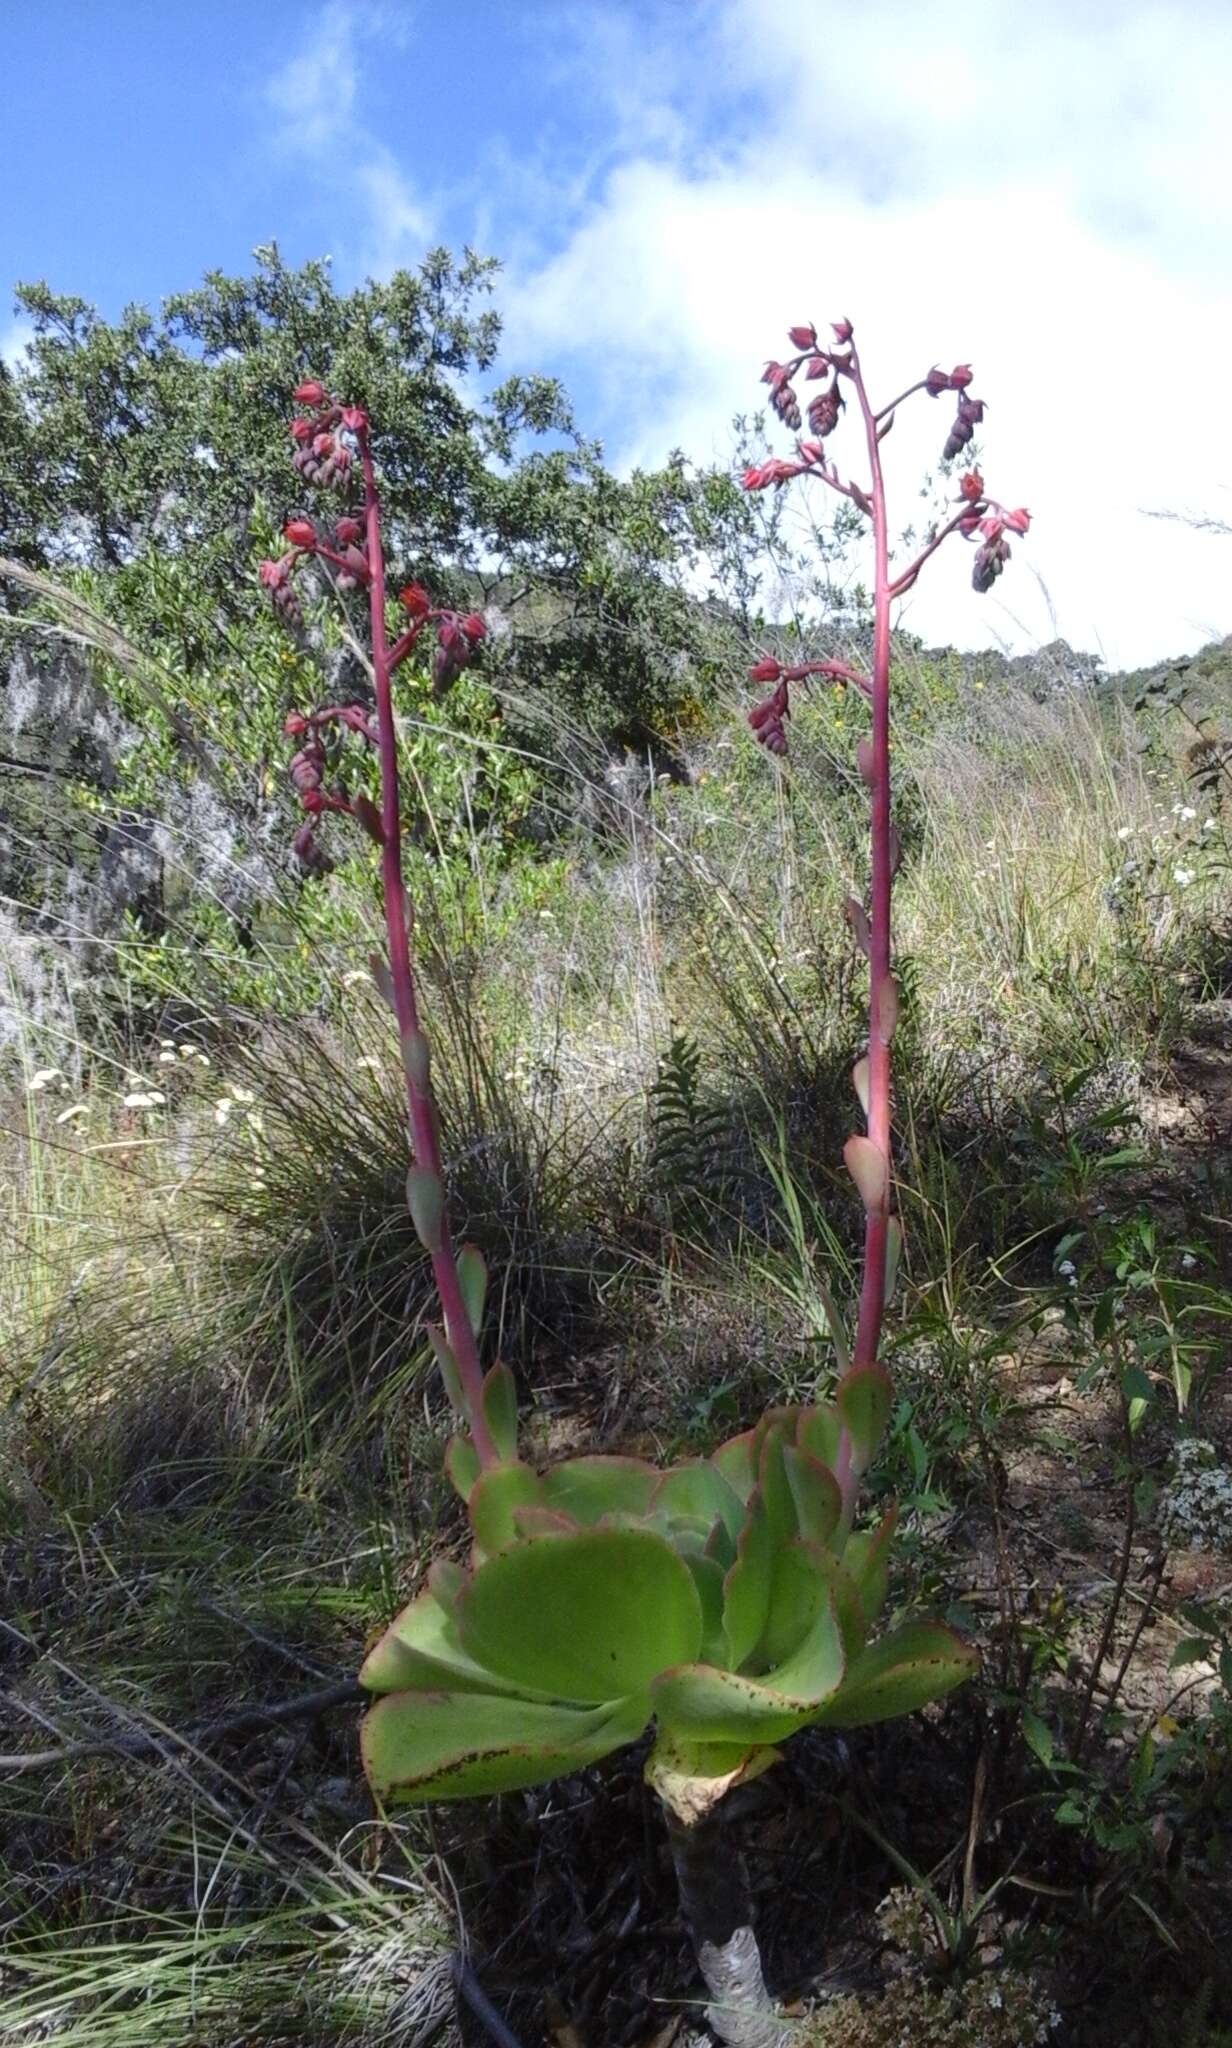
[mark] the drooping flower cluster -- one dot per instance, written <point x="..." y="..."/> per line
<point x="331" y="449"/>
<point x="976" y="515"/>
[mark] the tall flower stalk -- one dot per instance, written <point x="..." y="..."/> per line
<point x="330" y="439"/>
<point x="869" y="1156"/>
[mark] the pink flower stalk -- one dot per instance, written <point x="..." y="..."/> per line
<point x="869" y="1155"/>
<point x="329" y="446"/>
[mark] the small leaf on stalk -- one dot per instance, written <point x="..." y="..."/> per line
<point x="416" y="1060"/>
<point x="896" y="852"/>
<point x="866" y="1164"/>
<point x="857" y="918"/>
<point x="447" y="1366"/>
<point x="864" y="762"/>
<point x="462" y="1467"/>
<point x="859" y="1081"/>
<point x="894" y="1248"/>
<point x="887" y="1008"/>
<point x="425" y="1198"/>
<point x="473" y="1281"/>
<point x="698" y="1489"/>
<point x="378" y="968"/>
<point x="369" y="816"/>
<point x="500" y="1409"/>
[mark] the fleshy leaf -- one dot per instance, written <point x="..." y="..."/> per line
<point x="864" y="1397"/>
<point x="701" y="1703"/>
<point x="734" y="1460"/>
<point x="458" y="1745"/>
<point x="867" y="1558"/>
<point x="588" y="1488"/>
<point x="697" y="1489"/>
<point x="746" y="1589"/>
<point x="540" y="1521"/>
<point x="815" y="1490"/>
<point x="500" y="1410"/>
<point x="818" y="1431"/>
<point x="473" y="1280"/>
<point x="774" y="1487"/>
<point x="462" y="1465"/>
<point x="907" y="1669"/>
<point x="798" y="1591"/>
<point x="420" y="1651"/>
<point x="692" y="1777"/>
<point x="493" y="1498"/>
<point x="590" y="1617"/>
<point x="708" y="1578"/>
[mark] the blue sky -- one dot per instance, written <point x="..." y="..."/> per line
<point x="1046" y="191"/>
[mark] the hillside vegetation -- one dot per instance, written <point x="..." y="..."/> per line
<point x="220" y="1431"/>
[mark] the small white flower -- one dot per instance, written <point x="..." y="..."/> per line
<point x="189" y="1052"/>
<point x="353" y="975"/>
<point x="1125" y="831"/>
<point x="166" y="1059"/>
<point x="44" y="1075"/>
<point x="1208" y="824"/>
<point x="1187" y="811"/>
<point x="202" y="1059"/>
<point x="1067" y="1267"/>
<point x="1183" y="877"/>
<point x="1188" y="1261"/>
<point x="242" y="1095"/>
<point x="167" y="1044"/>
<point x="144" y="1098"/>
<point x="990" y="846"/>
<point x="368" y="1060"/>
<point x="222" y="1109"/>
<point x="78" y="1109"/>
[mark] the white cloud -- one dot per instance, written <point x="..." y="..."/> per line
<point x="316" y="98"/>
<point x="15" y="339"/>
<point x="1045" y="195"/>
<point x="314" y="93"/>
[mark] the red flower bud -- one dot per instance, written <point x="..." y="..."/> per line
<point x="774" y="374"/>
<point x="767" y="670"/>
<point x="294" y="723"/>
<point x="960" y="376"/>
<point x="347" y="531"/>
<point x="936" y="382"/>
<point x="810" y="451"/>
<point x="300" y="532"/>
<point x="355" y="418"/>
<point x="842" y="330"/>
<point x="474" y="628"/>
<point x="971" y="487"/>
<point x="969" y="524"/>
<point x="416" y="600"/>
<point x="1019" y="520"/>
<point x="990" y="528"/>
<point x="312" y="801"/>
<point x="824" y="411"/>
<point x="819" y="366"/>
<point x="309" y="393"/>
<point x="802" y="337"/>
<point x="323" y="445"/>
<point x="300" y="430"/>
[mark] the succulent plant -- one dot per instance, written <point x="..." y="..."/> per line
<point x="727" y="1600"/>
